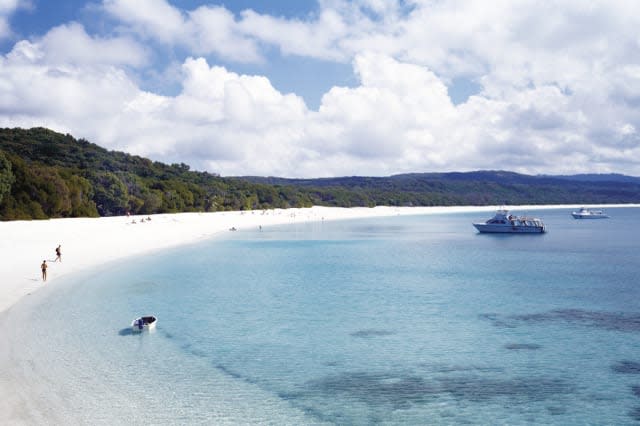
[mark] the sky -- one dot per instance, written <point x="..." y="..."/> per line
<point x="321" y="88"/>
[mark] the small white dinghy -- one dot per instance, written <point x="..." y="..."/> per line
<point x="143" y="323"/>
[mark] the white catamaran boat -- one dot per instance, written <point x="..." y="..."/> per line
<point x="585" y="213"/>
<point x="143" y="323"/>
<point x="506" y="223"/>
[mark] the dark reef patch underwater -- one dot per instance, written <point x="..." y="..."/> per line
<point x="388" y="391"/>
<point x="371" y="333"/>
<point x="626" y="367"/>
<point x="615" y="321"/>
<point x="522" y="346"/>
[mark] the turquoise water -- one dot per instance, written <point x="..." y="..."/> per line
<point x="400" y="320"/>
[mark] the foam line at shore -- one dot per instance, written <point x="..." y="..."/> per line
<point x="89" y="242"/>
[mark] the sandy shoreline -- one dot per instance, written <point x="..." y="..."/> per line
<point x="89" y="242"/>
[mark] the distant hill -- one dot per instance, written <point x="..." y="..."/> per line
<point x="476" y="188"/>
<point x="47" y="174"/>
<point x="500" y="176"/>
<point x="609" y="177"/>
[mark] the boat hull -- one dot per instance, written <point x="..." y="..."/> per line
<point x="507" y="229"/>
<point x="589" y="216"/>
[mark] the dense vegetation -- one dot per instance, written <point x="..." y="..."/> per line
<point x="47" y="174"/>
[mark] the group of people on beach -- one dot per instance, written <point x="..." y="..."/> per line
<point x="141" y="220"/>
<point x="44" y="265"/>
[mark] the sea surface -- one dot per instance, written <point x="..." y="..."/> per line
<point x="408" y="320"/>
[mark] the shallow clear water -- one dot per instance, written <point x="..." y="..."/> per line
<point x="401" y="320"/>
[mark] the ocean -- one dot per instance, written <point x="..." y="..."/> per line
<point x="412" y="320"/>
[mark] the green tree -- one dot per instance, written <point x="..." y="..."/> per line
<point x="6" y="176"/>
<point x="51" y="191"/>
<point x="111" y="195"/>
<point x="81" y="195"/>
<point x="151" y="201"/>
<point x="38" y="192"/>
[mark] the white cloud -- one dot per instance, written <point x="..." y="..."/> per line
<point x="205" y="30"/>
<point x="70" y="44"/>
<point x="73" y="98"/>
<point x="316" y="39"/>
<point x="151" y="18"/>
<point x="7" y="8"/>
<point x="214" y="30"/>
<point x="505" y="43"/>
<point x="58" y="81"/>
<point x="397" y="108"/>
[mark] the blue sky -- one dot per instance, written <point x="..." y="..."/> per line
<point x="332" y="87"/>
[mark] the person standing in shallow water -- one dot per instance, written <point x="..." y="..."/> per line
<point x="58" y="254"/>
<point x="44" y="270"/>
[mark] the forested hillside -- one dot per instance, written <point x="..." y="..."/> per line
<point x="46" y="174"/>
<point x="473" y="188"/>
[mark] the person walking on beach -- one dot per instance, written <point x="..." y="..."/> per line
<point x="58" y="254"/>
<point x="44" y="270"/>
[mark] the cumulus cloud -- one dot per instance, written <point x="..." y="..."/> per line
<point x="58" y="81"/>
<point x="214" y="30"/>
<point x="339" y="30"/>
<point x="67" y="98"/>
<point x="70" y="44"/>
<point x="150" y="18"/>
<point x="220" y="119"/>
<point x="392" y="118"/>
<point x="205" y="30"/>
<point x="316" y="39"/>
